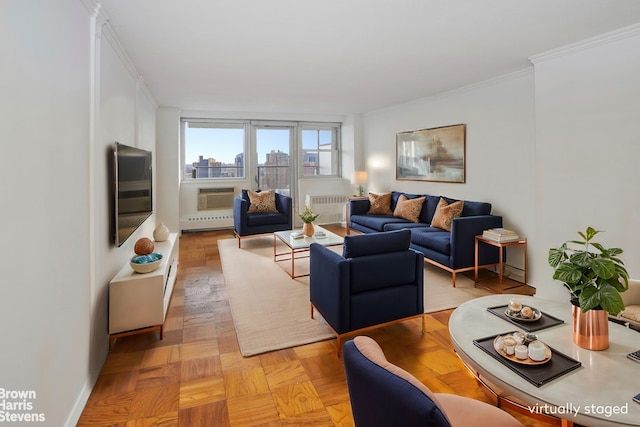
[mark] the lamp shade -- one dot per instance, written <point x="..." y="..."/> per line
<point x="359" y="177"/>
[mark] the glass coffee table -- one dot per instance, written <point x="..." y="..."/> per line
<point x="298" y="246"/>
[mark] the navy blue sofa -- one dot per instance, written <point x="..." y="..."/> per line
<point x="378" y="279"/>
<point x="454" y="250"/>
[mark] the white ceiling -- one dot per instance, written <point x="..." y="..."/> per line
<point x="341" y="56"/>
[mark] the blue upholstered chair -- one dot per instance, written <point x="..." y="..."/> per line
<point x="377" y="280"/>
<point x="383" y="394"/>
<point x="251" y="224"/>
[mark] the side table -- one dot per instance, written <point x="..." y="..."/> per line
<point x="348" y="210"/>
<point x="522" y="242"/>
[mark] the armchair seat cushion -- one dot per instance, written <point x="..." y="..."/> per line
<point x="258" y="219"/>
<point x="631" y="312"/>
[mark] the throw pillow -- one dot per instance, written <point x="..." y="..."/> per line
<point x="380" y="204"/>
<point x="409" y="209"/>
<point x="262" y="202"/>
<point x="445" y="213"/>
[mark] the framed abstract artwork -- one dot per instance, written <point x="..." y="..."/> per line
<point x="436" y="154"/>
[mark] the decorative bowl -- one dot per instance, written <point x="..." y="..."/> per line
<point x="146" y="263"/>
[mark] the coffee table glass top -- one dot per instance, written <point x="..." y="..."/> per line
<point x="329" y="239"/>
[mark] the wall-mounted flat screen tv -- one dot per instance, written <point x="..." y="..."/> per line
<point x="133" y="191"/>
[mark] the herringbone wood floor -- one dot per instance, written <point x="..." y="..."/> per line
<point x="196" y="375"/>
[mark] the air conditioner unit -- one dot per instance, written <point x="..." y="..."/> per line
<point x="215" y="198"/>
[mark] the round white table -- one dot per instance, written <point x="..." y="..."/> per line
<point x="599" y="393"/>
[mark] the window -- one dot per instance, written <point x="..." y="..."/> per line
<point x="238" y="149"/>
<point x="320" y="150"/>
<point x="213" y="150"/>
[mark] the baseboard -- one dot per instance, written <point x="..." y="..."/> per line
<point x="81" y="401"/>
<point x="85" y="392"/>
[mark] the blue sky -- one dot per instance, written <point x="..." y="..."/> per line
<point x="225" y="144"/>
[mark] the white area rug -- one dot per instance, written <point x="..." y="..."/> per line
<point x="271" y="311"/>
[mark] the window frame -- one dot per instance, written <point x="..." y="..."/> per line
<point x="335" y="151"/>
<point x="217" y="124"/>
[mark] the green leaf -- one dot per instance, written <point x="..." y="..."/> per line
<point x="591" y="232"/>
<point x="610" y="300"/>
<point x="556" y="256"/>
<point x="582" y="258"/>
<point x="603" y="268"/>
<point x="589" y="298"/>
<point x="568" y="273"/>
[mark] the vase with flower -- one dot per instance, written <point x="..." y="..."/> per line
<point x="307" y="218"/>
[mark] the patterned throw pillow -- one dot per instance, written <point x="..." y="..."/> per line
<point x="445" y="213"/>
<point x="380" y="204"/>
<point x="409" y="209"/>
<point x="262" y="202"/>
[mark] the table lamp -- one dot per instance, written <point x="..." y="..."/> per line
<point x="359" y="178"/>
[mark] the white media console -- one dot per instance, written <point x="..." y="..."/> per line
<point x="139" y="302"/>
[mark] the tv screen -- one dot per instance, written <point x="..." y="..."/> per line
<point x="133" y="192"/>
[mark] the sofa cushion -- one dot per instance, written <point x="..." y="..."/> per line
<point x="429" y="208"/>
<point x="409" y="209"/>
<point x="370" y="244"/>
<point x="262" y="202"/>
<point x="380" y="204"/>
<point x="472" y="208"/>
<point x="376" y="222"/>
<point x="445" y="213"/>
<point x="432" y="238"/>
<point x="390" y="226"/>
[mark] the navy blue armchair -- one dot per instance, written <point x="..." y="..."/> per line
<point x="377" y="280"/>
<point x="383" y="394"/>
<point x="251" y="224"/>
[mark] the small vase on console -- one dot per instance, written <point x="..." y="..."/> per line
<point x="307" y="229"/>
<point x="161" y="233"/>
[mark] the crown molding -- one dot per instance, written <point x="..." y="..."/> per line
<point x="590" y="43"/>
<point x="104" y="31"/>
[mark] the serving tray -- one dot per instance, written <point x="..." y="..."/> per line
<point x="545" y="320"/>
<point x="538" y="375"/>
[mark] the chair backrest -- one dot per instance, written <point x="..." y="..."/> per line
<point x="632" y="295"/>
<point x="376" y="243"/>
<point x="382" y="394"/>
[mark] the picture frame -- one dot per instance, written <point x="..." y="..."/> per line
<point x="435" y="154"/>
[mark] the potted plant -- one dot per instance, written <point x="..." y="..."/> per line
<point x="595" y="276"/>
<point x="307" y="218"/>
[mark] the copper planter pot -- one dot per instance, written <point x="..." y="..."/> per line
<point x="590" y="329"/>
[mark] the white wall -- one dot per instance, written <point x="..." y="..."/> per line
<point x="44" y="114"/>
<point x="588" y="146"/>
<point x="68" y="92"/>
<point x="554" y="150"/>
<point x="499" y="116"/>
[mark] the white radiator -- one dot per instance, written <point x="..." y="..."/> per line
<point x="329" y="207"/>
<point x="212" y="220"/>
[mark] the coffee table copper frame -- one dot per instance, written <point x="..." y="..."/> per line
<point x="300" y="246"/>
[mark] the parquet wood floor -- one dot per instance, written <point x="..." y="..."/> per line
<point x="196" y="375"/>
